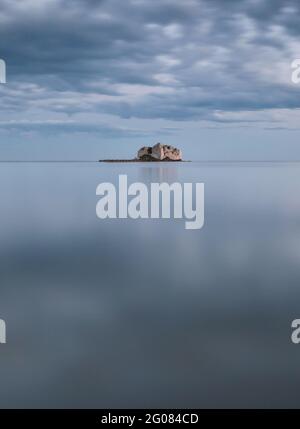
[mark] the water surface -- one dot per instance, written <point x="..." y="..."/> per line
<point x="143" y="313"/>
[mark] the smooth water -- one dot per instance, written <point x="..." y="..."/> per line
<point x="143" y="313"/>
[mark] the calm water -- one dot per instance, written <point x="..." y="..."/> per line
<point x="126" y="313"/>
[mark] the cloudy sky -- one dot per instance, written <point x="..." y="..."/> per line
<point x="98" y="78"/>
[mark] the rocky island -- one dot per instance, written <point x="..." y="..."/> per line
<point x="157" y="153"/>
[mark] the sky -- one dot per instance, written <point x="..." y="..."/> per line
<point x="91" y="79"/>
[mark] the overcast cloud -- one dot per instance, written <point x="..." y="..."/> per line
<point x="139" y="67"/>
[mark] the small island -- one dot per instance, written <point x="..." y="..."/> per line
<point x="157" y="153"/>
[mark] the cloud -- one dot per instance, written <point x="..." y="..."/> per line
<point x="73" y="126"/>
<point x="148" y="59"/>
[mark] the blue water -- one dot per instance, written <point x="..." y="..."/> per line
<point x="143" y="313"/>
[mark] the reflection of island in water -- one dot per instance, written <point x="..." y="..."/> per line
<point x="158" y="173"/>
<point x="156" y="153"/>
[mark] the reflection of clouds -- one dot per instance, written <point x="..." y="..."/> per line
<point x="289" y="246"/>
<point x="195" y="313"/>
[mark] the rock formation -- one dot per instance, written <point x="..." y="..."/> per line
<point x="159" y="152"/>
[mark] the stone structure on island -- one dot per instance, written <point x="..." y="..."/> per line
<point x="159" y="152"/>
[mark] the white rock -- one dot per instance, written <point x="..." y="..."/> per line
<point x="160" y="152"/>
